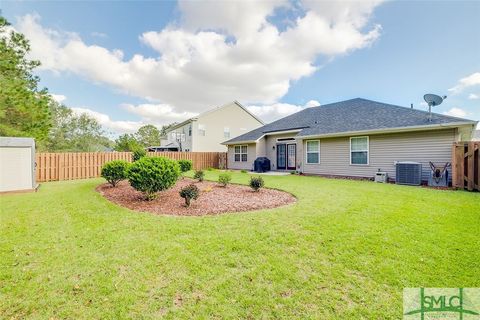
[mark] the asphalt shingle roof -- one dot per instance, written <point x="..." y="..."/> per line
<point x="347" y="116"/>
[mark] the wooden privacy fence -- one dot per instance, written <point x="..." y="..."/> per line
<point x="466" y="165"/>
<point x="83" y="165"/>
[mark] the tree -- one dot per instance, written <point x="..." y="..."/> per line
<point x="148" y="135"/>
<point x="24" y="108"/>
<point x="164" y="129"/>
<point x="126" y="142"/>
<point x="71" y="132"/>
<point x="88" y="134"/>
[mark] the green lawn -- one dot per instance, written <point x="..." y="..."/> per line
<point x="346" y="250"/>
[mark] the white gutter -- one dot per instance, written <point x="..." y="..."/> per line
<point x="269" y="133"/>
<point x="393" y="130"/>
<point x="181" y="124"/>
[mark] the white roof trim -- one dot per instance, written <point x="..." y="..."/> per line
<point x="247" y="111"/>
<point x="181" y="124"/>
<point x="393" y="130"/>
<point x="270" y="133"/>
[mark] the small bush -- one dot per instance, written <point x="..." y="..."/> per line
<point x="188" y="193"/>
<point x="152" y="174"/>
<point x="243" y="171"/>
<point x="185" y="165"/>
<point x="224" y="179"/>
<point x="138" y="154"/>
<point x="115" y="171"/>
<point x="199" y="175"/>
<point x="256" y="183"/>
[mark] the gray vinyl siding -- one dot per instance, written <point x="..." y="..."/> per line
<point x="271" y="141"/>
<point x="260" y="147"/>
<point x="251" y="156"/>
<point x="384" y="151"/>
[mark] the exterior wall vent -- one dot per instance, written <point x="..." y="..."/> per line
<point x="408" y="172"/>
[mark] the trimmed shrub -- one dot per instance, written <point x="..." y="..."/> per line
<point x="243" y="171"/>
<point x="188" y="193"/>
<point x="256" y="183"/>
<point x="138" y="154"/>
<point x="224" y="179"/>
<point x="199" y="175"/>
<point x="115" y="171"/>
<point x="185" y="165"/>
<point x="153" y="174"/>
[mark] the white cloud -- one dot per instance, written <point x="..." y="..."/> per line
<point x="60" y="98"/>
<point x="273" y="112"/>
<point x="312" y="103"/>
<point x="469" y="81"/>
<point x="456" y="112"/>
<point x="217" y="52"/>
<point x="109" y="124"/>
<point x="158" y="113"/>
<point x="473" y="96"/>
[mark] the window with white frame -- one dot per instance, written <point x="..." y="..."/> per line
<point x="359" y="150"/>
<point x="240" y="153"/>
<point x="226" y="132"/>
<point x="201" y="130"/>
<point x="313" y="151"/>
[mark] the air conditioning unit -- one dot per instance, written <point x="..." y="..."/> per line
<point x="381" y="177"/>
<point x="408" y="172"/>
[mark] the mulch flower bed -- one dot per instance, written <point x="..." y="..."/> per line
<point x="213" y="199"/>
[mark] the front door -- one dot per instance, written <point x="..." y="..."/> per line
<point x="281" y="156"/>
<point x="291" y="156"/>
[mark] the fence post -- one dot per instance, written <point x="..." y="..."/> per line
<point x="477" y="146"/>
<point x="454" y="166"/>
<point x="471" y="166"/>
<point x="61" y="166"/>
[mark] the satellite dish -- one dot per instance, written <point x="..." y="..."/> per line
<point x="432" y="100"/>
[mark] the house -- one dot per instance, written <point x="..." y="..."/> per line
<point x="166" y="146"/>
<point x="354" y="138"/>
<point x="476" y="135"/>
<point x="207" y="131"/>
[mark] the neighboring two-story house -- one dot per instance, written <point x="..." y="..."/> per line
<point x="206" y="132"/>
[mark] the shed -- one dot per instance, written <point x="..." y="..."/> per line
<point x="17" y="164"/>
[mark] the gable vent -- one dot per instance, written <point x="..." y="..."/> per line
<point x="408" y="172"/>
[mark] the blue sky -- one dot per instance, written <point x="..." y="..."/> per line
<point x="178" y="59"/>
